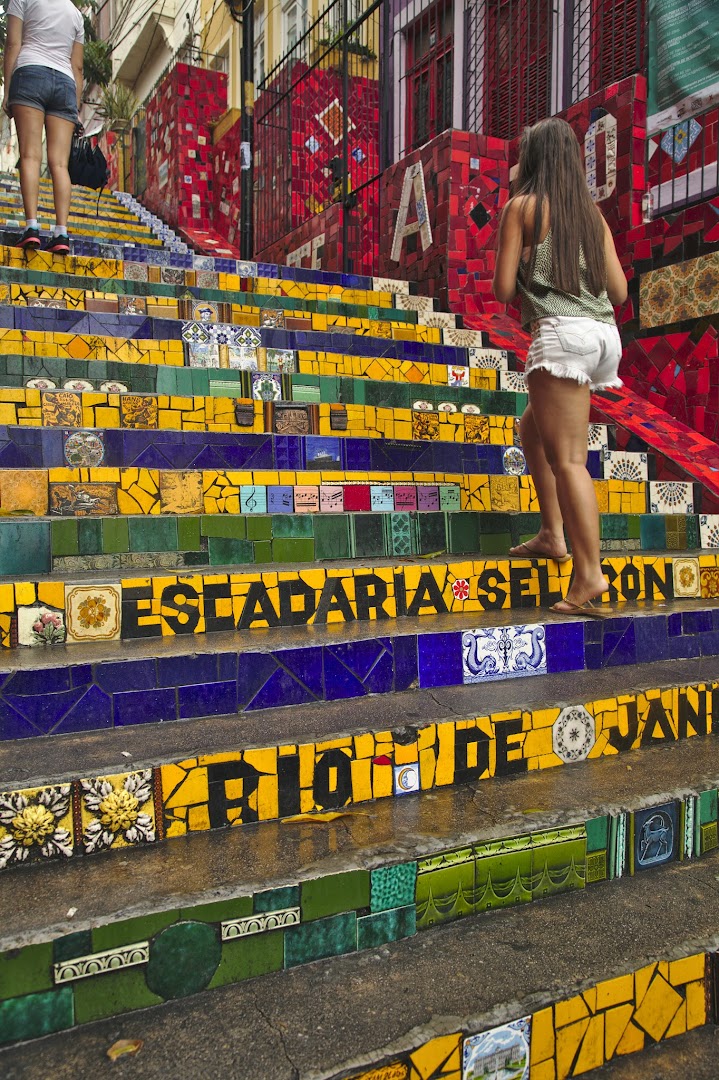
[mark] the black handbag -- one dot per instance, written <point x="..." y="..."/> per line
<point x="87" y="166"/>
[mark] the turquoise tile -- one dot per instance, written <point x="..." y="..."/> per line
<point x="378" y="929"/>
<point x="321" y="938"/>
<point x="153" y="533"/>
<point x="225" y="550"/>
<point x="392" y="886"/>
<point x="24" y="547"/>
<point x="35" y="1015"/>
<point x="277" y="899"/>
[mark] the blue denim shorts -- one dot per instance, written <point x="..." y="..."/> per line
<point x="43" y="88"/>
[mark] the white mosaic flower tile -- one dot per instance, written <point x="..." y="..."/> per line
<point x="463" y="339"/>
<point x="383" y="284"/>
<point x="423" y="304"/>
<point x="709" y="530"/>
<point x="93" y="612"/>
<point x="573" y="734"/>
<point x="670" y="497"/>
<point x="622" y="465"/>
<point x="514" y="381"/>
<point x="489" y="358"/>
<point x="503" y="652"/>
<point x="441" y="319"/>
<point x="598" y="437"/>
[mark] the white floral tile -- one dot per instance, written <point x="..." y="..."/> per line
<point x="622" y="465"/>
<point x="514" y="381"/>
<point x="489" y="358"/>
<point x="383" y="284"/>
<point x="422" y="304"/>
<point x="441" y="319"/>
<point x="709" y="530"/>
<point x="687" y="579"/>
<point x="463" y="339"/>
<point x="117" y="811"/>
<point x="36" y="824"/>
<point x="598" y="438"/>
<point x="573" y="734"/>
<point x="39" y="625"/>
<point x="93" y="612"/>
<point x="503" y="652"/>
<point x="670" y="497"/>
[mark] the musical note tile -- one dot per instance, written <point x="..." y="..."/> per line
<point x="253" y="499"/>
<point x="428" y="497"/>
<point x="381" y="497"/>
<point x="449" y="498"/>
<point x="280" y="499"/>
<point x="405" y="497"/>
<point x="331" y="499"/>
<point x="307" y="500"/>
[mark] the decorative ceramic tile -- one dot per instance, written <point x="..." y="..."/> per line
<point x="207" y="279"/>
<point x="36" y="824"/>
<point x="441" y="320"/>
<point x="92" y="612"/>
<point x="84" y="449"/>
<point x="620" y="465"/>
<point x="259" y="924"/>
<point x="686" y="576"/>
<point x="38" y="625"/>
<point x="281" y="360"/>
<point x="274" y="317"/>
<point x="514" y="381"/>
<point x="135" y="271"/>
<point x="204" y="356"/>
<point x="503" y="652"/>
<point x="47" y="302"/>
<point x="61" y="409"/>
<point x="205" y="311"/>
<point x="80" y="386"/>
<point x="489" y="358"/>
<point x="598" y="438"/>
<point x="248" y="336"/>
<point x="670" y="497"/>
<point x="117" y="811"/>
<point x="97" y="963"/>
<point x="463" y="339"/>
<point x="499" y="1054"/>
<point x="139" y="411"/>
<point x="291" y="419"/>
<point x="113" y="388"/>
<point x="457" y="376"/>
<point x="226" y="334"/>
<point x="425" y="425"/>
<point x="132" y="305"/>
<point x="306" y="499"/>
<point x="40" y="384"/>
<point x="655" y="835"/>
<point x="390" y="285"/>
<point x="266" y="386"/>
<point x="406" y="778"/>
<point x="447" y="407"/>
<point x="470" y="410"/>
<point x="181" y="493"/>
<point x="678" y="141"/>
<point x="83" y="500"/>
<point x="709" y="530"/>
<point x="513" y="461"/>
<point x="421" y="405"/>
<point x="476" y="428"/>
<point x="195" y="333"/>
<point x="573" y="734"/>
<point x="242" y="359"/>
<point x="173" y="275"/>
<point x="423" y="305"/>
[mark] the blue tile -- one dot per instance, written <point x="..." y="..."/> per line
<point x="674" y="624"/>
<point x="696" y="622"/>
<point x="39" y="681"/>
<point x="593" y="656"/>
<point x="651" y="638"/>
<point x="681" y="648"/>
<point x="280" y="689"/>
<point x="44" y="711"/>
<point x="358" y="656"/>
<point x="380" y="679"/>
<point x="126" y="675"/>
<point x="92" y="712"/>
<point x="207" y="699"/>
<point x="440" y="659"/>
<point x="253" y="671"/>
<point x="406" y="669"/>
<point x="306" y="666"/>
<point x="145" y="707"/>
<point x="13" y="724"/>
<point x="565" y="646"/>
<point x="619" y="643"/>
<point x="340" y="682"/>
<point x="186" y="670"/>
<point x="709" y="643"/>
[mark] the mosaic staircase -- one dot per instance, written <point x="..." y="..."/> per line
<point x="217" y="479"/>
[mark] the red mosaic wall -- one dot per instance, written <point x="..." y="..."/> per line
<point x="179" y="145"/>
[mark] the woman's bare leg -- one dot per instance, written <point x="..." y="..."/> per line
<point x="561" y="413"/>
<point x="29" y="123"/>
<point x="549" y="540"/>
<point x="59" y="141"/>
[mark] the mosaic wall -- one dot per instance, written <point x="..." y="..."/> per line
<point x="240" y="787"/>
<point x="112" y="969"/>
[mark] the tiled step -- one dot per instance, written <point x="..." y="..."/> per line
<point x="101" y="684"/>
<point x="282" y="896"/>
<point x="693" y="1054"/>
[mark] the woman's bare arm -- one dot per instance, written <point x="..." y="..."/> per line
<point x="77" y="59"/>
<point x="509" y="252"/>
<point x="616" y="278"/>
<point x="13" y="44"/>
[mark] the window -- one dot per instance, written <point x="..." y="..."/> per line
<point x="429" y="76"/>
<point x="259" y="25"/>
<point x="617" y="41"/>
<point x="294" y="20"/>
<point x="518" y="66"/>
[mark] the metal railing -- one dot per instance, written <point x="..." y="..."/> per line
<point x="609" y="42"/>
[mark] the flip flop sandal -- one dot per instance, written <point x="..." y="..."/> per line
<point x="587" y="609"/>
<point x="526" y="552"/>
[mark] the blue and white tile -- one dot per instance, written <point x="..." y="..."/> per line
<point x="623" y="465"/>
<point x="670" y="497"/>
<point x="709" y="530"/>
<point x="489" y="358"/>
<point x="513" y="381"/>
<point x="503" y="652"/>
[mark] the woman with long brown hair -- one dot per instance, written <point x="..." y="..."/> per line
<point x="556" y="251"/>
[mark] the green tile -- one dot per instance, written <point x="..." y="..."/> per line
<point x="495" y="544"/>
<point x="183" y="959"/>
<point x="463" y="531"/>
<point x="332" y="536"/>
<point x="263" y="551"/>
<point x="307" y="394"/>
<point x="224" y="525"/>
<point x="224" y="550"/>
<point x="71" y="946"/>
<point x="112" y="994"/>
<point x="335" y="893"/>
<point x="196" y="558"/>
<point x="131" y="930"/>
<point x="391" y="395"/>
<point x="219" y="911"/>
<point x="167" y="380"/>
<point x="250" y="956"/>
<point x="24" y="971"/>
<point x="115" y="535"/>
<point x="693" y="537"/>
<point x="431" y="533"/>
<point x="277" y="899"/>
<point x="188" y="534"/>
<point x="401" y="534"/>
<point x="369" y="536"/>
<point x="292" y="525"/>
<point x="293" y="550"/>
<point x="259" y="527"/>
<point x="494" y="523"/>
<point x="597" y="834"/>
<point x="392" y="886"/>
<point x="89" y="536"/>
<point x="558" y="861"/>
<point x="30" y="1017"/>
<point x="633" y="526"/>
<point x="652" y="532"/>
<point x="376" y="930"/>
<point x="707" y="807"/>
<point x="614" y="527"/>
<point x="503" y="873"/>
<point x="445" y="887"/>
<point x="319" y="939"/>
<point x="153" y="533"/>
<point x="25" y="547"/>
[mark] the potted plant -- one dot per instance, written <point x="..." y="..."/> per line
<point x="117" y="107"/>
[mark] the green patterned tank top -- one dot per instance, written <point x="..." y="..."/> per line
<point x="541" y="299"/>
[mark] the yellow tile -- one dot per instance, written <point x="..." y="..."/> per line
<point x="658" y="1008"/>
<point x="567" y="1012"/>
<point x="24" y="592"/>
<point x="615" y="991"/>
<point x="51" y="593"/>
<point x="569" y="1040"/>
<point x="542" y="1036"/>
<point x="591" y="1053"/>
<point x="688" y="969"/>
<point x="615" y="1024"/>
<point x="443" y="1052"/>
<point x="631" y="1041"/>
<point x="24" y="490"/>
<point x="696" y="1005"/>
<point x="544" y="1070"/>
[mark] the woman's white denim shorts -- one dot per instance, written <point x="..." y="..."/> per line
<point x="581" y="349"/>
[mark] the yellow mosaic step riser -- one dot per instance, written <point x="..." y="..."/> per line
<point x="137" y="351"/>
<point x="571" y="1038"/>
<point x="37" y="492"/>
<point x="170" y="604"/>
<point x="165" y="307"/>
<point x="84" y="266"/>
<point x="30" y="408"/>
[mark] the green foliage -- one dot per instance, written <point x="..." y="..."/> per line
<point x="98" y="62"/>
<point x="118" y="103"/>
